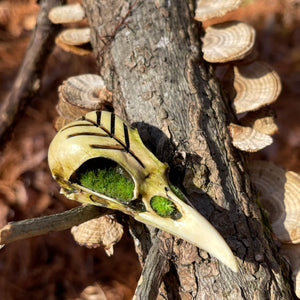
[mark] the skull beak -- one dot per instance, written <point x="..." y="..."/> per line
<point x="195" y="229"/>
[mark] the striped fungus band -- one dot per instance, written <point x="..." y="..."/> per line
<point x="101" y="160"/>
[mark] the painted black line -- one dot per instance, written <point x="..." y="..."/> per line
<point x="87" y="133"/>
<point x="98" y="113"/>
<point x="126" y="136"/>
<point x="108" y="147"/>
<point x="112" y="124"/>
<point x="120" y="148"/>
<point x="76" y="125"/>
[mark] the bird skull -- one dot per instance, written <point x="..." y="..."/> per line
<point x="101" y="160"/>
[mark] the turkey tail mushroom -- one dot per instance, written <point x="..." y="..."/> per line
<point x="75" y="36"/>
<point x="71" y="40"/>
<point x="248" y="139"/>
<point x="228" y="41"/>
<point x="254" y="132"/>
<point x="66" y="14"/>
<point x="234" y="41"/>
<point x="207" y="9"/>
<point x="261" y="120"/>
<point x="79" y="95"/>
<point x="103" y="231"/>
<point x="280" y="196"/>
<point x="259" y="77"/>
<point x="81" y="50"/>
<point x="76" y="41"/>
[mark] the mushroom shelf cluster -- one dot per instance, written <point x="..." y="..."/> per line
<point x="75" y="40"/>
<point x="229" y="42"/>
<point x="233" y="42"/>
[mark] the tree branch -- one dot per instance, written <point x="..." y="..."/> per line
<point x="28" y="80"/>
<point x="14" y="231"/>
<point x="157" y="264"/>
<point x="154" y="67"/>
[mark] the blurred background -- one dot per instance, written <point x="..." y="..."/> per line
<point x="54" y="266"/>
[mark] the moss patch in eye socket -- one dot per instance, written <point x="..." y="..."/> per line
<point x="106" y="178"/>
<point x="164" y="207"/>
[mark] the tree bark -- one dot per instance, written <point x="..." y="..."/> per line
<point x="149" y="54"/>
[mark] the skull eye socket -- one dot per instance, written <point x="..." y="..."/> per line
<point x="164" y="207"/>
<point x="106" y="177"/>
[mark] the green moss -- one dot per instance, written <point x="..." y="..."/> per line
<point x="109" y="181"/>
<point x="164" y="207"/>
<point x="177" y="192"/>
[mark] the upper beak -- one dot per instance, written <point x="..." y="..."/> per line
<point x="195" y="229"/>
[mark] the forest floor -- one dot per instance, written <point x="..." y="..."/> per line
<point x="54" y="266"/>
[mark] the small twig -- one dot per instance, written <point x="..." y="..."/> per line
<point x="157" y="264"/>
<point x="110" y="37"/>
<point x="14" y="231"/>
<point x="27" y="82"/>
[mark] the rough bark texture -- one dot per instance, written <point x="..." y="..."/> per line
<point x="152" y="62"/>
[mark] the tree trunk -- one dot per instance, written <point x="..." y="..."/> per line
<point x="149" y="54"/>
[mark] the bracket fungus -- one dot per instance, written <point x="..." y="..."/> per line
<point x="248" y="139"/>
<point x="261" y="120"/>
<point x="279" y="193"/>
<point x="71" y="40"/>
<point x="207" y="9"/>
<point x="67" y="13"/>
<point x="84" y="49"/>
<point x="229" y="41"/>
<point x="75" y="36"/>
<point x="79" y="95"/>
<point x="85" y="91"/>
<point x="103" y="231"/>
<point x="103" y="144"/>
<point x="256" y="85"/>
